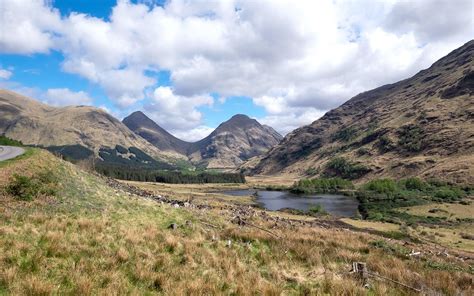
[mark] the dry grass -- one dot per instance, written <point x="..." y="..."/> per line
<point x="379" y="226"/>
<point x="451" y="211"/>
<point x="92" y="240"/>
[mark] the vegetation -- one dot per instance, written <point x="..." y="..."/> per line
<point x="340" y="167"/>
<point x="363" y="151"/>
<point x="321" y="185"/>
<point x="129" y="158"/>
<point x="410" y="138"/>
<point x="174" y="177"/>
<point x="72" y="153"/>
<point x="385" y="144"/>
<point x="317" y="210"/>
<point x="345" y="135"/>
<point x="379" y="198"/>
<point x="28" y="188"/>
<point x="91" y="239"/>
<point x="9" y="142"/>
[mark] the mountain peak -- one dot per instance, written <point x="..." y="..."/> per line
<point x="142" y="125"/>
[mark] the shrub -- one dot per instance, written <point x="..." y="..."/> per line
<point x="381" y="186"/>
<point x="23" y="187"/>
<point x="9" y="142"/>
<point x="385" y="144"/>
<point x="363" y="151"/>
<point x="28" y="188"/>
<point x="449" y="193"/>
<point x="316" y="210"/>
<point x="340" y="167"/>
<point x="345" y="134"/>
<point x="312" y="171"/>
<point x="410" y="138"/>
<point x="414" y="184"/>
<point x="321" y="185"/>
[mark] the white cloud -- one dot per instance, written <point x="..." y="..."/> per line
<point x="296" y="61"/>
<point x="5" y="74"/>
<point x="27" y="26"/>
<point x="178" y="114"/>
<point x="65" y="97"/>
<point x="193" y="135"/>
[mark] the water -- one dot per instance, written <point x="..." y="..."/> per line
<point x="338" y="205"/>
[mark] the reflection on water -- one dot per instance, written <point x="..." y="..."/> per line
<point x="338" y="205"/>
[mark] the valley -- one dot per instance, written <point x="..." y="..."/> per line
<point x="176" y="239"/>
<point x="376" y="197"/>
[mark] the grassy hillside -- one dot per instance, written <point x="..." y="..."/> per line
<point x="420" y="126"/>
<point x="83" y="237"/>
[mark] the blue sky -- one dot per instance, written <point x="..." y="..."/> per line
<point x="190" y="65"/>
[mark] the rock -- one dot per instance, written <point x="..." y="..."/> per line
<point x="176" y="205"/>
<point x="229" y="243"/>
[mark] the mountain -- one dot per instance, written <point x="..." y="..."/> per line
<point x="233" y="142"/>
<point x="153" y="133"/>
<point x="228" y="146"/>
<point x="422" y="126"/>
<point x="78" y="131"/>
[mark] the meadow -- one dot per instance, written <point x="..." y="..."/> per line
<point x="87" y="238"/>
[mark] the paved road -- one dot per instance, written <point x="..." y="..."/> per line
<point x="7" y="152"/>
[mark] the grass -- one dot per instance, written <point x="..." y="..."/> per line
<point x="451" y="211"/>
<point x="380" y="199"/>
<point x="91" y="239"/>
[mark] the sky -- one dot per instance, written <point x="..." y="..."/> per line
<point x="190" y="65"/>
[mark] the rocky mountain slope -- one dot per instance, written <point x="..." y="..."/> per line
<point x="228" y="146"/>
<point x="34" y="123"/>
<point x="422" y="126"/>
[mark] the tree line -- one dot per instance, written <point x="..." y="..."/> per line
<point x="162" y="176"/>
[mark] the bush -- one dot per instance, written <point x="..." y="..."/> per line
<point x="340" y="167"/>
<point x="321" y="185"/>
<point x="23" y="187"/>
<point x="316" y="210"/>
<point x="9" y="142"/>
<point x="410" y="138"/>
<point x="363" y="151"/>
<point x="414" y="184"/>
<point x="312" y="171"/>
<point x="385" y="144"/>
<point x="381" y="186"/>
<point x="449" y="194"/>
<point x="28" y="188"/>
<point x="345" y="134"/>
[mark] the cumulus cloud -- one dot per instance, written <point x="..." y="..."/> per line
<point x="5" y="74"/>
<point x="27" y="26"/>
<point x="297" y="61"/>
<point x="176" y="113"/>
<point x="65" y="97"/>
<point x="193" y="135"/>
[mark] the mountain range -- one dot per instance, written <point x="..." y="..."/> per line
<point x="228" y="146"/>
<point x="79" y="132"/>
<point x="421" y="126"/>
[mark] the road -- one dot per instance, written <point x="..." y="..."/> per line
<point x="7" y="152"/>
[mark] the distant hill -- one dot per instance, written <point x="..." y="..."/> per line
<point x="228" y="146"/>
<point x="76" y="132"/>
<point x="421" y="126"/>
